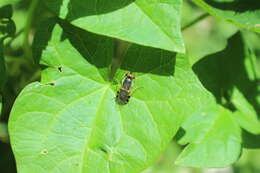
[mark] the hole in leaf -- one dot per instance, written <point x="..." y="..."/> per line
<point x="180" y="133"/>
<point x="103" y="150"/>
<point x="60" y="69"/>
<point x="44" y="151"/>
<point x="51" y="83"/>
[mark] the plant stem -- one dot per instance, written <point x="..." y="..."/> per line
<point x="120" y="48"/>
<point x="196" y="20"/>
<point x="252" y="59"/>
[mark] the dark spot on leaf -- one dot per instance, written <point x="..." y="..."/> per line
<point x="60" y="69"/>
<point x="180" y="133"/>
<point x="44" y="151"/>
<point x="103" y="150"/>
<point x="51" y="83"/>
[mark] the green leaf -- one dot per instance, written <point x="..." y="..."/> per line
<point x="235" y="85"/>
<point x="154" y="23"/>
<point x="243" y="13"/>
<point x="70" y="121"/>
<point x="219" y="74"/>
<point x="246" y="114"/>
<point x="219" y="147"/>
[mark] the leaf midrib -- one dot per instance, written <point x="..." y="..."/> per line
<point x="55" y="115"/>
<point x="85" y="149"/>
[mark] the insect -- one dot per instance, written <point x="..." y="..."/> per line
<point x="128" y="81"/>
<point x="124" y="93"/>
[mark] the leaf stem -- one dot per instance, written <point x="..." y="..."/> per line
<point x="120" y="48"/>
<point x="196" y="20"/>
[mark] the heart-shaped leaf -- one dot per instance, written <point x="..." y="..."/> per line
<point x="71" y="122"/>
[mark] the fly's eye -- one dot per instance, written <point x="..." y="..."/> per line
<point x="130" y="76"/>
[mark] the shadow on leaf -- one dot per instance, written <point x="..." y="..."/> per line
<point x="137" y="58"/>
<point x="143" y="59"/>
<point x="99" y="50"/>
<point x="221" y="72"/>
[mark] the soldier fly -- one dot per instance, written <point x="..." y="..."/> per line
<point x="128" y="81"/>
<point x="124" y="92"/>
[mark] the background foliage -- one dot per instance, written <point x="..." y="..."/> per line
<point x="211" y="93"/>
